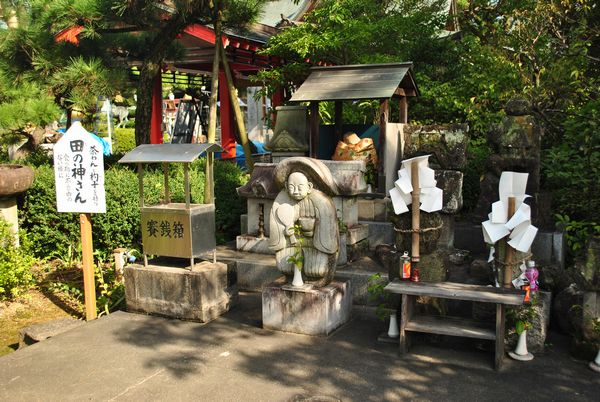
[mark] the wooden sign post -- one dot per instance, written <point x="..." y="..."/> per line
<point x="87" y="255"/>
<point x="79" y="179"/>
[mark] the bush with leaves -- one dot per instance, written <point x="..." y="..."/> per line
<point x="571" y="169"/>
<point x="15" y="264"/>
<point x="123" y="140"/>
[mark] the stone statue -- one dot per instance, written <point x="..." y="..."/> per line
<point x="300" y="204"/>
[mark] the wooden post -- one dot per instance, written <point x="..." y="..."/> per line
<point x="384" y="111"/>
<point x="416" y="217"/>
<point x="500" y="323"/>
<point x="314" y="129"/>
<point x="509" y="252"/>
<point x="186" y="183"/>
<point x="403" y="109"/>
<point x="166" y="181"/>
<point x="338" y="120"/>
<point x="87" y="251"/>
<point x="209" y="183"/>
<point x="140" y="171"/>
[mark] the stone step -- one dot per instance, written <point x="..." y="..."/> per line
<point x="254" y="271"/>
<point x="40" y="332"/>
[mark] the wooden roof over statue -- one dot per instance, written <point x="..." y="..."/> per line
<point x="384" y="82"/>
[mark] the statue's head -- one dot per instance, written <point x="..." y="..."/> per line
<point x="298" y="186"/>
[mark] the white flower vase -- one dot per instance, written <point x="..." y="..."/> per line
<point x="393" y="331"/>
<point x="297" y="281"/>
<point x="521" y="352"/>
<point x="369" y="188"/>
<point x="595" y="365"/>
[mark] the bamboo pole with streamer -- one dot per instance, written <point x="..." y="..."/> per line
<point x="509" y="252"/>
<point x="416" y="221"/>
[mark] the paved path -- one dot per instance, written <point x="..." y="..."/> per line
<point x="131" y="357"/>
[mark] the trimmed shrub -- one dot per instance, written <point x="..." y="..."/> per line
<point x="57" y="235"/>
<point x="15" y="264"/>
<point x="123" y="140"/>
<point x="229" y="206"/>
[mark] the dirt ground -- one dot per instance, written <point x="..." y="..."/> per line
<point x="32" y="308"/>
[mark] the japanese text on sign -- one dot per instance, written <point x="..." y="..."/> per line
<point x="79" y="172"/>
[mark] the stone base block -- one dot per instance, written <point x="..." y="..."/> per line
<point x="253" y="275"/>
<point x="380" y="233"/>
<point x="373" y="210"/>
<point x="201" y="294"/>
<point x="314" y="311"/>
<point x="253" y="244"/>
<point x="357" y="233"/>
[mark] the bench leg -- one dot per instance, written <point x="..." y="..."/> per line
<point x="405" y="315"/>
<point x="500" y="322"/>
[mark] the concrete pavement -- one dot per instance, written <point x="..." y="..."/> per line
<point x="138" y="358"/>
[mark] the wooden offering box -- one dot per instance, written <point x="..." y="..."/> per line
<point x="171" y="229"/>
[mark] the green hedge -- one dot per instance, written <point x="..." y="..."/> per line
<point x="57" y="234"/>
<point x="123" y="140"/>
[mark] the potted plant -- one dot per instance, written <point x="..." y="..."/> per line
<point x="297" y="258"/>
<point x="370" y="175"/>
<point x="385" y="307"/>
<point x="522" y="318"/>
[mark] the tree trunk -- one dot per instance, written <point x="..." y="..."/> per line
<point x="148" y="71"/>
<point x="143" y="111"/>
<point x="239" y="118"/>
<point x="209" y="190"/>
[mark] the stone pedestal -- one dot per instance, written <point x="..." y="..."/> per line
<point x="201" y="294"/>
<point x="8" y="211"/>
<point x="309" y="311"/>
<point x="277" y="156"/>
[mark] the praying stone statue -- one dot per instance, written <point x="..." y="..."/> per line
<point x="303" y="203"/>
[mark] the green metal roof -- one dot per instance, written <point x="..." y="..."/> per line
<point x="353" y="82"/>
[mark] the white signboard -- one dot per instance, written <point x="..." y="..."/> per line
<point x="79" y="172"/>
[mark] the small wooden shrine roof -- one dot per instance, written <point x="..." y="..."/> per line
<point x="354" y="82"/>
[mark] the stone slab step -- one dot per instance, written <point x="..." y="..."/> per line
<point x="39" y="332"/>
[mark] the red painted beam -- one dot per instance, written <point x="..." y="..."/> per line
<point x="227" y="127"/>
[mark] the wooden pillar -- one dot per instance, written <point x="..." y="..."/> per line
<point x="403" y="110"/>
<point x="384" y="112"/>
<point x="156" y="135"/>
<point x="227" y="124"/>
<point x="276" y="100"/>
<point x="339" y="105"/>
<point x="314" y="129"/>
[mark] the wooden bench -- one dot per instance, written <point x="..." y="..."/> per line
<point x="454" y="326"/>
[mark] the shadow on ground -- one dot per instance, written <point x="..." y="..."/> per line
<point x="351" y="364"/>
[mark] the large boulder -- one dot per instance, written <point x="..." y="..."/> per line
<point x="567" y="310"/>
<point x="451" y="182"/>
<point x="446" y="143"/>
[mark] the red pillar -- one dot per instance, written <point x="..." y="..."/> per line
<point x="227" y="123"/>
<point x="276" y="100"/>
<point x="156" y="135"/>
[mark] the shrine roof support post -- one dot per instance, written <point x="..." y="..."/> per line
<point x="315" y="121"/>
